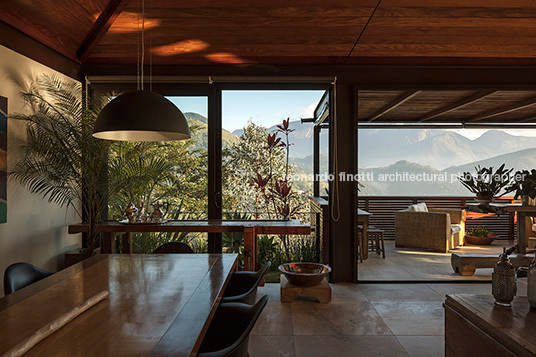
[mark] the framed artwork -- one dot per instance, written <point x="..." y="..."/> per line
<point x="3" y="159"/>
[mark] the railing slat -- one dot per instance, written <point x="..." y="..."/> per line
<point x="383" y="210"/>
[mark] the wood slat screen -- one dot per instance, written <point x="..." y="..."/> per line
<point x="383" y="210"/>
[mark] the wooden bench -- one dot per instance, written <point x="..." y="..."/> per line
<point x="466" y="264"/>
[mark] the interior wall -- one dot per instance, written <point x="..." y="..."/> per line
<point x="36" y="231"/>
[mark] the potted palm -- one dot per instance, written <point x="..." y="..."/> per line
<point x="487" y="184"/>
<point x="524" y="185"/>
<point x="62" y="161"/>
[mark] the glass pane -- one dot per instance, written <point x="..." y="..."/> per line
<point x="173" y="173"/>
<point x="254" y="168"/>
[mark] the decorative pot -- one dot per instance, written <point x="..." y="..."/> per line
<point x="304" y="274"/>
<point x="484" y="198"/>
<point x="475" y="240"/>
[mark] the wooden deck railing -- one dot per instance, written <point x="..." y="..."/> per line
<point x="383" y="210"/>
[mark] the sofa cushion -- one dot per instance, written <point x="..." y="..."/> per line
<point x="455" y="228"/>
<point x="419" y="207"/>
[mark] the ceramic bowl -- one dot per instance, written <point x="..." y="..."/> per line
<point x="304" y="274"/>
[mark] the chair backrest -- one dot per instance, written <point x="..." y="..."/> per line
<point x="20" y="275"/>
<point x="242" y="286"/>
<point x="173" y="248"/>
<point x="228" y="334"/>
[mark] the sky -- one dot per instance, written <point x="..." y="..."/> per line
<point x="266" y="108"/>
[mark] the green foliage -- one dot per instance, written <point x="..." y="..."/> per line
<point x="62" y="161"/>
<point x="524" y="183"/>
<point x="478" y="232"/>
<point x="232" y="241"/>
<point x="486" y="181"/>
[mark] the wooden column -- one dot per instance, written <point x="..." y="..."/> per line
<point x="214" y="166"/>
<point x="343" y="194"/>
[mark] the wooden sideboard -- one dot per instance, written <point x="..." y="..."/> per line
<point x="475" y="326"/>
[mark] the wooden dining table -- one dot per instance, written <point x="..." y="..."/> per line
<point x="158" y="305"/>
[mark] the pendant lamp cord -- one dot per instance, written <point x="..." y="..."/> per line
<point x="142" y="39"/>
<point x="150" y="56"/>
<point x="138" y="54"/>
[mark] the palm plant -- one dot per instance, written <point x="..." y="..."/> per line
<point x="62" y="161"/>
<point x="487" y="183"/>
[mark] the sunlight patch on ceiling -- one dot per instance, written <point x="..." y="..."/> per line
<point x="129" y="22"/>
<point x="225" y="57"/>
<point x="177" y="48"/>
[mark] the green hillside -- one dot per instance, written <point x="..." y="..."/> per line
<point x="199" y="127"/>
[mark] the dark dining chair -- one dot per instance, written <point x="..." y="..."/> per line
<point x="20" y="275"/>
<point x="173" y="248"/>
<point x="242" y="286"/>
<point x="228" y="332"/>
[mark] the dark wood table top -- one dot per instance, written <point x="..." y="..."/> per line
<point x="210" y="225"/>
<point x="158" y="304"/>
<point x="514" y="327"/>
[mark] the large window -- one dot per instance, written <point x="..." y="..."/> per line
<point x="173" y="173"/>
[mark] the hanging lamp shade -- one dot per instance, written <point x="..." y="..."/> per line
<point x="141" y="116"/>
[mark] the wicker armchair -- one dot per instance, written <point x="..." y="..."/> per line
<point x="437" y="230"/>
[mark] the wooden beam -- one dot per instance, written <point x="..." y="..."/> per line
<point x="393" y="104"/>
<point x="508" y="109"/>
<point x="527" y="119"/>
<point x="31" y="48"/>
<point x="101" y="26"/>
<point x="459" y="104"/>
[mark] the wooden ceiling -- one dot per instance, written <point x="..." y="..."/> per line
<point x="440" y="106"/>
<point x="283" y="32"/>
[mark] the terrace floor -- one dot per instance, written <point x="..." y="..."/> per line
<point x="411" y="264"/>
<point x="362" y="320"/>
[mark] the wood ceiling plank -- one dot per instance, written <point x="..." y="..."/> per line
<point x="228" y="33"/>
<point x="485" y="32"/>
<point x="204" y="61"/>
<point x="433" y="12"/>
<point x="223" y="12"/>
<point x="504" y="110"/>
<point x="238" y="50"/>
<point x="102" y="24"/>
<point x="258" y="3"/>
<point x="452" y="50"/>
<point x="61" y="25"/>
<point x="495" y="40"/>
<point x="469" y="22"/>
<point x="454" y="106"/>
<point x="393" y="104"/>
<point x="460" y="3"/>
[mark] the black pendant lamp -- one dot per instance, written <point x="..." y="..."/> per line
<point x="141" y="115"/>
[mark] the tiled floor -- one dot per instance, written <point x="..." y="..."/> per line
<point x="362" y="320"/>
<point x="413" y="264"/>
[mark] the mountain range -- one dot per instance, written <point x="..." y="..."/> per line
<point x="437" y="148"/>
<point x="412" y="151"/>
